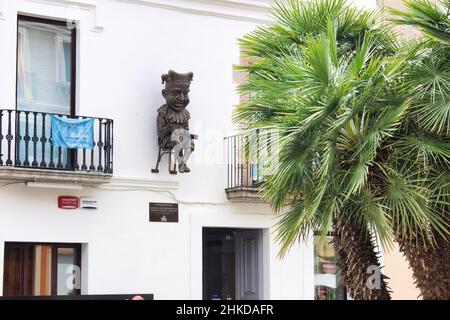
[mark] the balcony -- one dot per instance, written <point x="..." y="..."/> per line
<point x="243" y="175"/>
<point x="27" y="153"/>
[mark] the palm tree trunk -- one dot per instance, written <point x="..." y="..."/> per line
<point x="430" y="264"/>
<point x="430" y="267"/>
<point x="358" y="261"/>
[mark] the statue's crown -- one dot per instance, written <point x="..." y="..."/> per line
<point x="173" y="78"/>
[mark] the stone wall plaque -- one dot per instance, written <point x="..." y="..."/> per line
<point x="163" y="212"/>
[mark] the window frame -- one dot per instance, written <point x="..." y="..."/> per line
<point x="54" y="268"/>
<point x="73" y="68"/>
<point x="73" y="36"/>
<point x="329" y="234"/>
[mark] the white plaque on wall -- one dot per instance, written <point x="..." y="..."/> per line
<point x="88" y="203"/>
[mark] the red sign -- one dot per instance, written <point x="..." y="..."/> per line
<point x="68" y="202"/>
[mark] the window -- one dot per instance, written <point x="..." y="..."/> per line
<point x="45" y="84"/>
<point x="37" y="269"/>
<point x="45" y="66"/>
<point x="326" y="275"/>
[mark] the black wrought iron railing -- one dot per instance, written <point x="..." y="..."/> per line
<point x="26" y="141"/>
<point x="244" y="168"/>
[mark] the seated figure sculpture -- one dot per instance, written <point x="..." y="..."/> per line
<point x="173" y="121"/>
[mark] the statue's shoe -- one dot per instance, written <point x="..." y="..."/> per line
<point x="183" y="168"/>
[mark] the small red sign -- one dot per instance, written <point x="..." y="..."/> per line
<point x="68" y="202"/>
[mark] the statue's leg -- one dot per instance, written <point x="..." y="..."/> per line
<point x="174" y="163"/>
<point x="174" y="171"/>
<point x="186" y="154"/>
<point x="156" y="170"/>
<point x="170" y="159"/>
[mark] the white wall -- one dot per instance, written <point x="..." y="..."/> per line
<point x="123" y="48"/>
<point x="127" y="254"/>
<point x="118" y="77"/>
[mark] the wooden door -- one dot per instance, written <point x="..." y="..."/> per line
<point x="18" y="270"/>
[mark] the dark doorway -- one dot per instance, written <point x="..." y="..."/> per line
<point x="232" y="264"/>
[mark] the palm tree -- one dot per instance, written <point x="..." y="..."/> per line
<point x="325" y="79"/>
<point x="428" y="81"/>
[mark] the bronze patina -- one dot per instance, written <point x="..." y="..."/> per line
<point x="174" y="138"/>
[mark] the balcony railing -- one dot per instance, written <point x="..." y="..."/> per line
<point x="26" y="142"/>
<point x="244" y="170"/>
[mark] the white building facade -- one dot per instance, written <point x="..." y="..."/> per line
<point x="118" y="52"/>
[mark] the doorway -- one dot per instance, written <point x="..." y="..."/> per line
<point x="41" y="269"/>
<point x="232" y="264"/>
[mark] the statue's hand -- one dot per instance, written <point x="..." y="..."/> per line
<point x="172" y="128"/>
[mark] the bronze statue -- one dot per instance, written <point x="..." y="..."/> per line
<point x="173" y="121"/>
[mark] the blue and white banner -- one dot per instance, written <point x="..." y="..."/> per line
<point x="72" y="133"/>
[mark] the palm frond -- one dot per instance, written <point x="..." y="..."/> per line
<point x="432" y="18"/>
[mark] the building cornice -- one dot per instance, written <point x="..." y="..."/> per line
<point x="73" y="5"/>
<point x="244" y="10"/>
<point x="85" y="5"/>
<point x="256" y="11"/>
